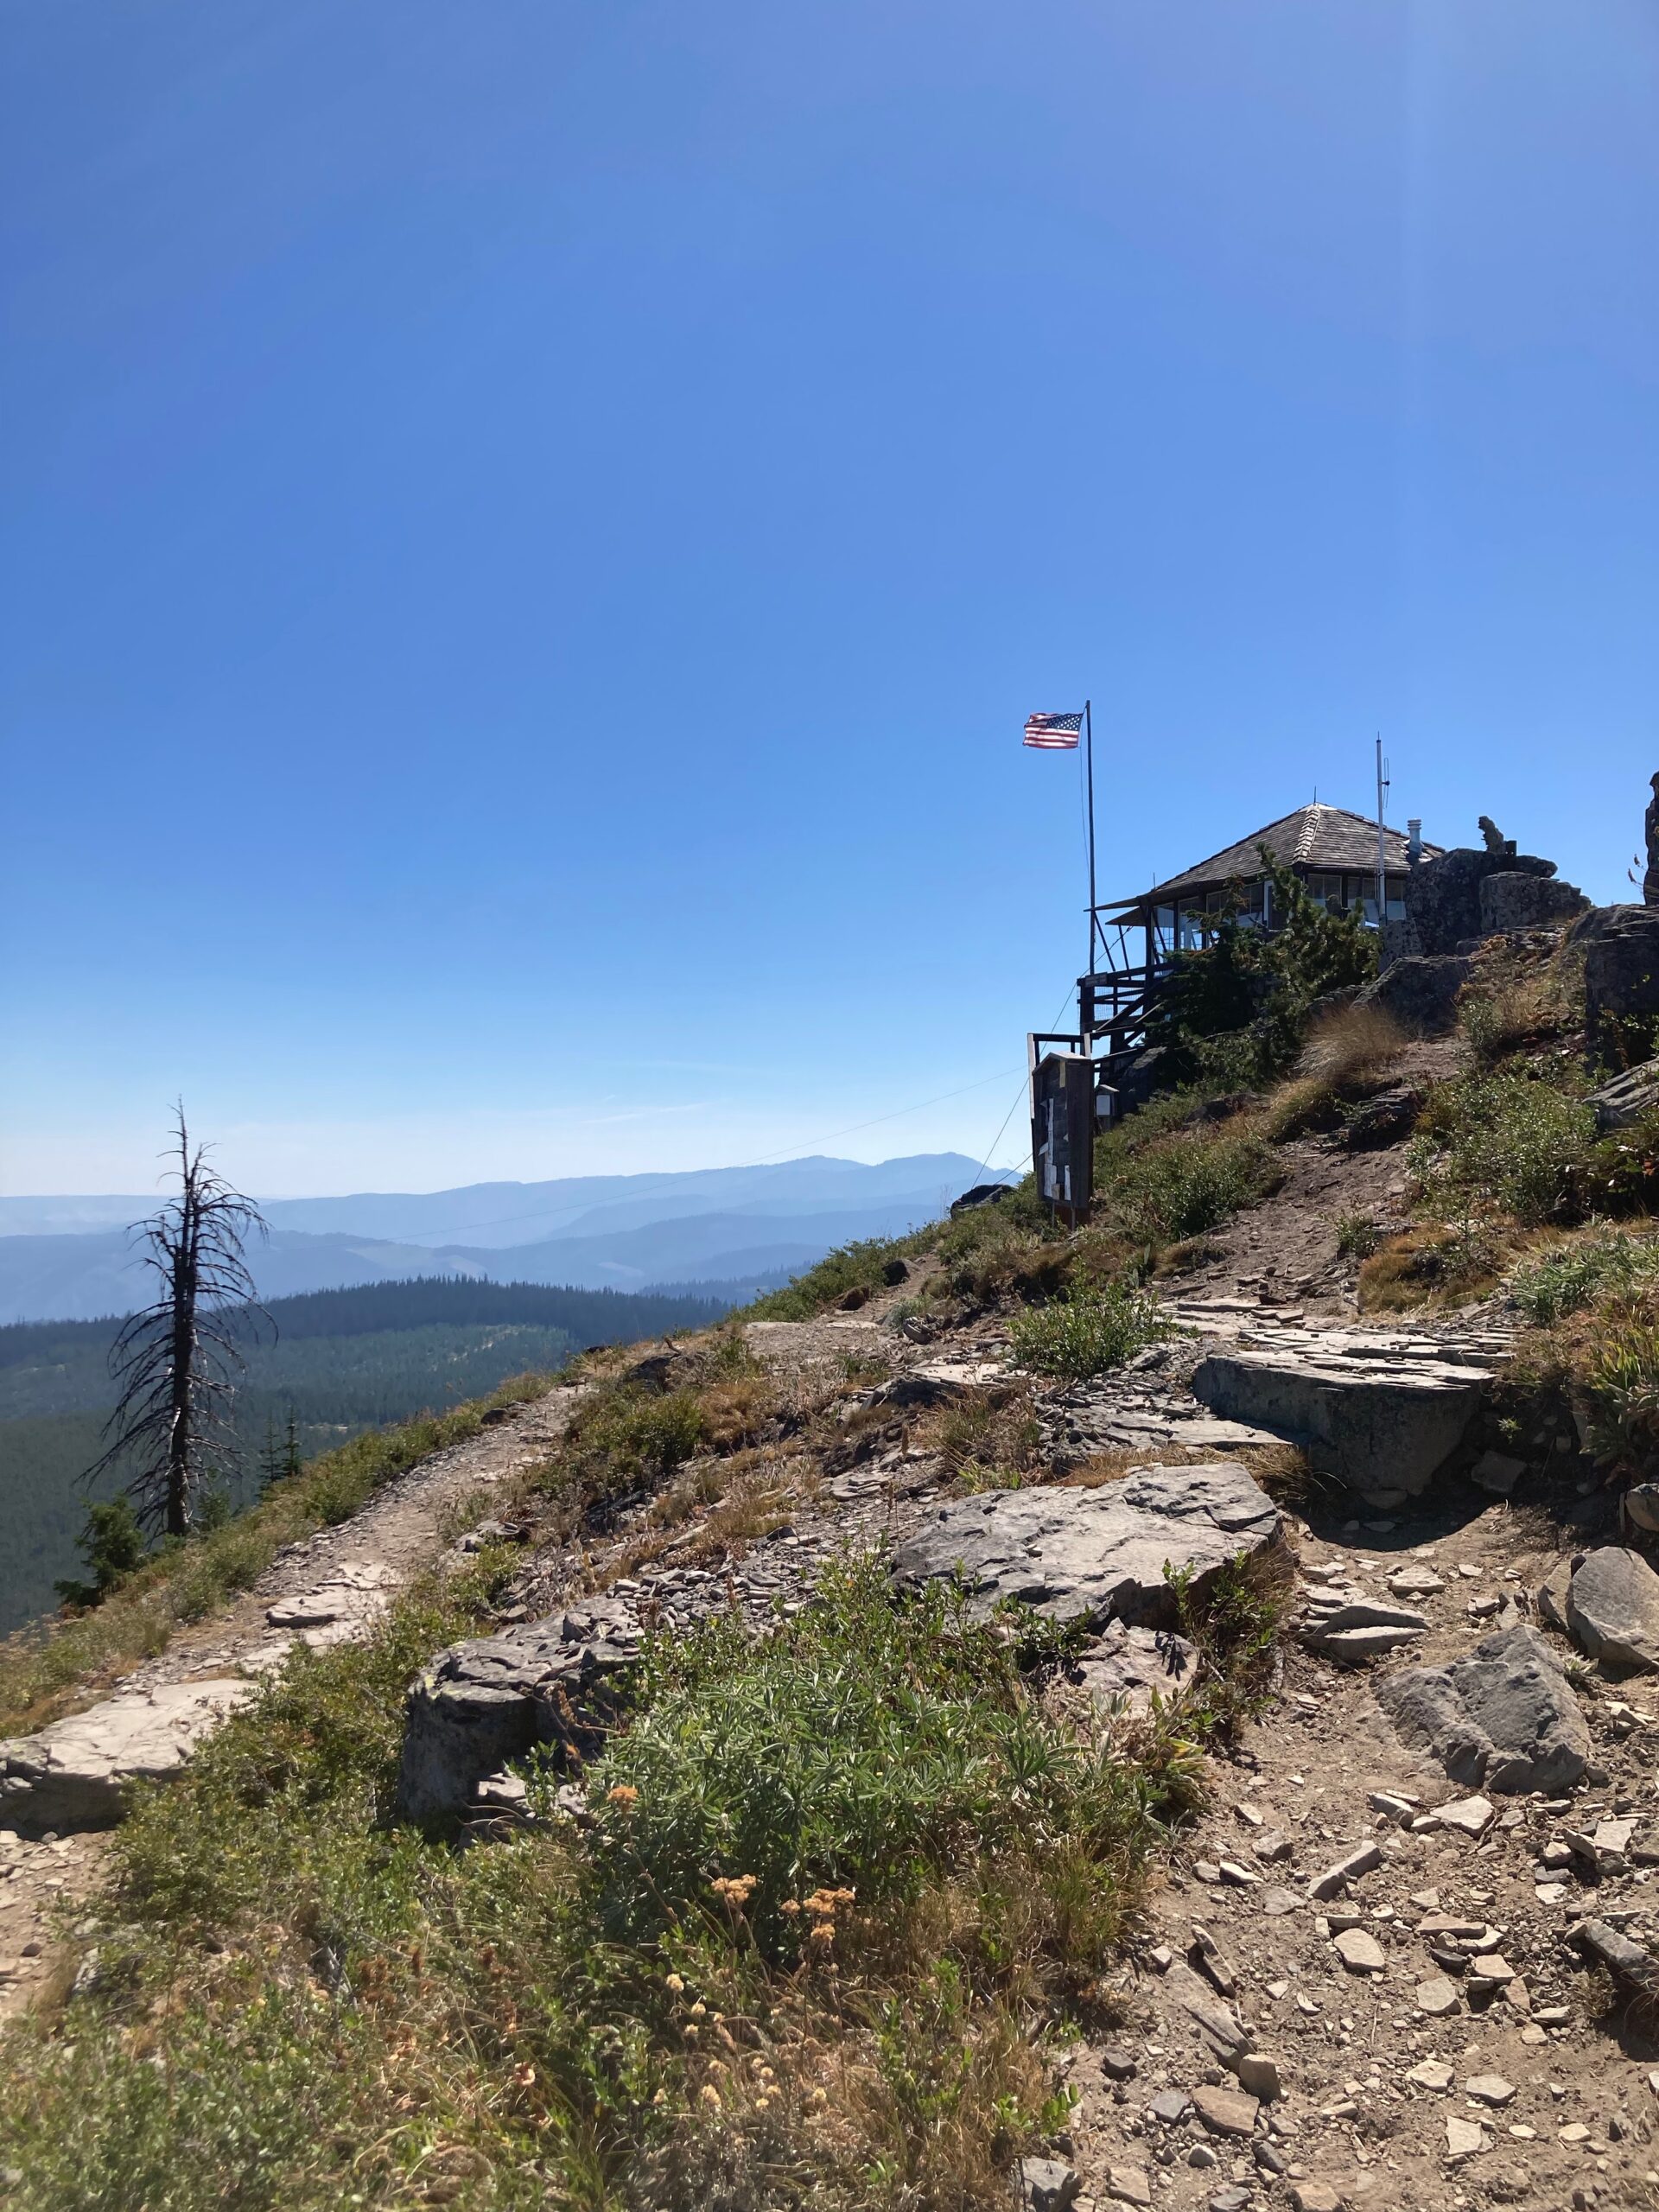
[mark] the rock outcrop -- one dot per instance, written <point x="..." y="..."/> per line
<point x="481" y="1704"/>
<point x="75" y="1774"/>
<point x="1503" y="1718"/>
<point x="1444" y="898"/>
<point x="1093" y="1555"/>
<point x="1380" y="1411"/>
<point x="1514" y="900"/>
<point x="1419" y="993"/>
<point x="1628" y="1098"/>
<point x="1621" y="979"/>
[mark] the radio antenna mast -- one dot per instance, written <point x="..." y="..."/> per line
<point x="1382" y="836"/>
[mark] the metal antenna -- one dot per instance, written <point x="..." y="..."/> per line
<point x="1382" y="836"/>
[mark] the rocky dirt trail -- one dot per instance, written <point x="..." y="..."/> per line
<point x="1385" y="1964"/>
<point x="61" y="1788"/>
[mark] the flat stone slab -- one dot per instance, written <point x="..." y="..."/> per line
<point x="351" y="1596"/>
<point x="1612" y="1609"/>
<point x="483" y="1703"/>
<point x="75" y="1774"/>
<point x="1093" y="1555"/>
<point x="1381" y="1413"/>
<point x="1503" y="1718"/>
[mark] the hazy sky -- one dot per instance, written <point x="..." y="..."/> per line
<point x="529" y="531"/>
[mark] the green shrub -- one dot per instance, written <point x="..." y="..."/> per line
<point x="112" y="1545"/>
<point x="1621" y="1382"/>
<point x="1087" y="1332"/>
<point x="1357" y="1236"/>
<point x="1581" y="1274"/>
<point x="852" y="1268"/>
<point x="1157" y="1194"/>
<point x="1507" y="1141"/>
<point x="867" y="1746"/>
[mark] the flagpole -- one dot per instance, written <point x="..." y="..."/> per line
<point x="1089" y="735"/>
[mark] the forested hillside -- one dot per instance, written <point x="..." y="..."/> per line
<point x="331" y="1362"/>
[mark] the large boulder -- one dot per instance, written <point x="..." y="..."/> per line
<point x="1612" y="1609"/>
<point x="1502" y="1718"/>
<point x="1621" y="978"/>
<point x="1420" y="995"/>
<point x="551" y="1683"/>
<point x="1372" y="1409"/>
<point x="77" y="1773"/>
<point x="1093" y="1555"/>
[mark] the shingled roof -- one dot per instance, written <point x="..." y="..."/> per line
<point x="1315" y="836"/>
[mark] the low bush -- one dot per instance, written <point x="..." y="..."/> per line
<point x="1582" y="1273"/>
<point x="1357" y="1236"/>
<point x="1158" y="1194"/>
<point x="1619" y="1382"/>
<point x="852" y="1268"/>
<point x="1087" y="1332"/>
<point x="1508" y="1142"/>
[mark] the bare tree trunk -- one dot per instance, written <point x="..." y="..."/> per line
<point x="176" y="1360"/>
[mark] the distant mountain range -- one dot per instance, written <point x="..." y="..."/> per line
<point x="738" y="1229"/>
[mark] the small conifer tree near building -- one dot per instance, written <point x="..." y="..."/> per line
<point x="178" y="1358"/>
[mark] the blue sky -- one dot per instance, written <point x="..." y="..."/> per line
<point x="531" y="530"/>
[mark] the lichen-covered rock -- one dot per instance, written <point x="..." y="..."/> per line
<point x="1503" y="1718"/>
<point x="1093" y="1555"/>
<point x="1514" y="900"/>
<point x="75" y="1774"/>
<point x="483" y="1703"/>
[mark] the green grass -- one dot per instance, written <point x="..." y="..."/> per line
<point x="856" y="1266"/>
<point x="1087" y="1332"/>
<point x="1582" y="1273"/>
<point x="847" y="1882"/>
<point x="41" y="1666"/>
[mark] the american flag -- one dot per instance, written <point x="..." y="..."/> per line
<point x="1053" y="732"/>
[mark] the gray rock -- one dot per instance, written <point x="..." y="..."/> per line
<point x="1510" y="899"/>
<point x="1552" y="1592"/>
<point x="1642" y="1504"/>
<point x="1627" y="1099"/>
<point x="1377" y="1413"/>
<point x="1631" y="1962"/>
<point x="1621" y="976"/>
<point x="1497" y="1473"/>
<point x="1093" y="1555"/>
<point x="1421" y="994"/>
<point x="483" y="1703"/>
<point x="1612" y="1608"/>
<point x="1384" y="1118"/>
<point x="1503" y="1718"/>
<point x="75" y="1774"/>
<point x="1127" y="1668"/>
<point x="1216" y="2022"/>
<point x="1047" y="2185"/>
<point x="1443" y="896"/>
